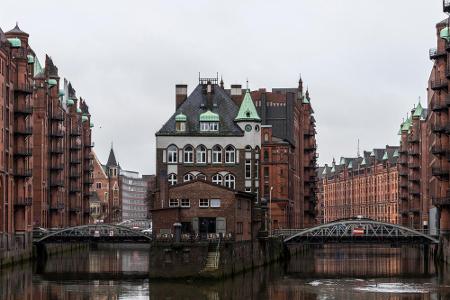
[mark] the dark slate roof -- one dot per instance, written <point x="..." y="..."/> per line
<point x="111" y="159"/>
<point x="50" y="66"/>
<point x="2" y="36"/>
<point x="196" y="104"/>
<point x="17" y="30"/>
<point x="72" y="92"/>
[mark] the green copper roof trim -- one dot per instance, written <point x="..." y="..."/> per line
<point x="418" y="111"/>
<point x="209" y="116"/>
<point x="247" y="111"/>
<point x="396" y="154"/>
<point x="30" y="59"/>
<point x="324" y="171"/>
<point x="305" y="100"/>
<point x="333" y="169"/>
<point x="445" y="34"/>
<point x="181" y="117"/>
<point x="385" y="156"/>
<point x="70" y="102"/>
<point x="61" y="93"/>
<point x="15" y="42"/>
<point x="78" y="110"/>
<point x="52" y="82"/>
<point x="91" y="124"/>
<point x="84" y="118"/>
<point x="406" y="125"/>
<point x="363" y="163"/>
<point x="350" y="165"/>
<point x="37" y="67"/>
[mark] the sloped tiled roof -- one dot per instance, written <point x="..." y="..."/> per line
<point x="17" y="30"/>
<point x="196" y="104"/>
<point x="111" y="159"/>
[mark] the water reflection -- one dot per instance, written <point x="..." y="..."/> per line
<point x="334" y="272"/>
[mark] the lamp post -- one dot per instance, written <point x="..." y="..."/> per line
<point x="270" y="211"/>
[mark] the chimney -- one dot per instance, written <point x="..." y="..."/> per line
<point x="180" y="94"/>
<point x="236" y="93"/>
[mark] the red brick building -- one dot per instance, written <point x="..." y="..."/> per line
<point x="363" y="186"/>
<point x="203" y="207"/>
<point x="288" y="147"/>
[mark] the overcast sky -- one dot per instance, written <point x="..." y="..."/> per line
<point x="365" y="62"/>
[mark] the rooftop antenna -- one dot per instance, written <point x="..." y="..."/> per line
<point x="247" y="83"/>
<point x="357" y="151"/>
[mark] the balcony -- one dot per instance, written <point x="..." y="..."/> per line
<point x="75" y="132"/>
<point x="25" y="88"/>
<point x="23" y="172"/>
<point x="403" y="185"/>
<point x="402" y="151"/>
<point x="75" y="160"/>
<point x="403" y="173"/>
<point x="75" y="209"/>
<point x="402" y="161"/>
<point x="89" y="168"/>
<point x="57" y="206"/>
<point x="56" y="167"/>
<point x="439" y="84"/>
<point x="56" y="150"/>
<point x="414" y="191"/>
<point x="88" y="193"/>
<point x="23" y="151"/>
<point x="57" y="116"/>
<point x="447" y="100"/>
<point x="446" y="6"/>
<point x="436" y="106"/>
<point x="23" y="201"/>
<point x="74" y="189"/>
<point x="413" y="165"/>
<point x="56" y="133"/>
<point x="56" y="183"/>
<point x="414" y="178"/>
<point x="438" y="150"/>
<point x="23" y="108"/>
<point x="87" y="211"/>
<point x="434" y="53"/>
<point x="88" y="181"/>
<point x="309" y="132"/>
<point x="75" y="146"/>
<point x="439" y="172"/>
<point x="437" y="128"/>
<point x="74" y="174"/>
<point x="413" y="138"/>
<point x="414" y="152"/>
<point x="441" y="201"/>
<point x="309" y="148"/>
<point x="23" y="130"/>
<point x="89" y="145"/>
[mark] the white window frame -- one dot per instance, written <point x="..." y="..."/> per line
<point x="214" y="126"/>
<point x="180" y="126"/>
<point x="172" y="154"/>
<point x="185" y="203"/>
<point x="217" y="154"/>
<point x="215" y="203"/>
<point x="256" y="168"/>
<point x="217" y="179"/>
<point x="188" y="177"/>
<point x="188" y="155"/>
<point x="203" y="204"/>
<point x="200" y="153"/>
<point x="201" y="176"/>
<point x="230" y="155"/>
<point x="174" y="202"/>
<point x="248" y="169"/>
<point x="230" y="181"/>
<point x="204" y="126"/>
<point x="172" y="178"/>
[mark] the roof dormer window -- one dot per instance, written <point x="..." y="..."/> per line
<point x="180" y="122"/>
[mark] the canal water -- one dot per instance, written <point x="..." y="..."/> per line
<point x="334" y="272"/>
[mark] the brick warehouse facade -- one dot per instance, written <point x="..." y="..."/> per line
<point x="44" y="132"/>
<point x="362" y="186"/>
<point x="288" y="163"/>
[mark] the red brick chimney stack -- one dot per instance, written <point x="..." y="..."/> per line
<point x="180" y="94"/>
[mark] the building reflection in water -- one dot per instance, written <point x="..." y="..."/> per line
<point x="334" y="272"/>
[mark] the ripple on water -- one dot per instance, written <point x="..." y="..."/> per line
<point x="400" y="288"/>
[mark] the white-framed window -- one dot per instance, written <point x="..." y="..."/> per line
<point x="188" y="177"/>
<point x="217" y="179"/>
<point x="256" y="168"/>
<point x="214" y="126"/>
<point x="180" y="126"/>
<point x="214" y="203"/>
<point x="217" y="154"/>
<point x="203" y="203"/>
<point x="201" y="176"/>
<point x="229" y="181"/>
<point x="172" y="154"/>
<point x="174" y="202"/>
<point x="172" y="179"/>
<point x="204" y="126"/>
<point x="188" y="154"/>
<point x="230" y="154"/>
<point x="98" y="185"/>
<point x="248" y="168"/>
<point x="185" y="203"/>
<point x="201" y="154"/>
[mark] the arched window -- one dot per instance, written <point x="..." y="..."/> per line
<point x="201" y="176"/>
<point x="188" y="177"/>
<point x="172" y="154"/>
<point x="266" y="137"/>
<point x="217" y="154"/>
<point x="230" y="154"/>
<point x="189" y="155"/>
<point x="217" y="179"/>
<point x="248" y="148"/>
<point x="172" y="179"/>
<point x="201" y="154"/>
<point x="229" y="181"/>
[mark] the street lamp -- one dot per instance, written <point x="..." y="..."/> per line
<point x="270" y="211"/>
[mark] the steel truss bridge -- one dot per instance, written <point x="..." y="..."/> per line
<point x="97" y="233"/>
<point x="356" y="230"/>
